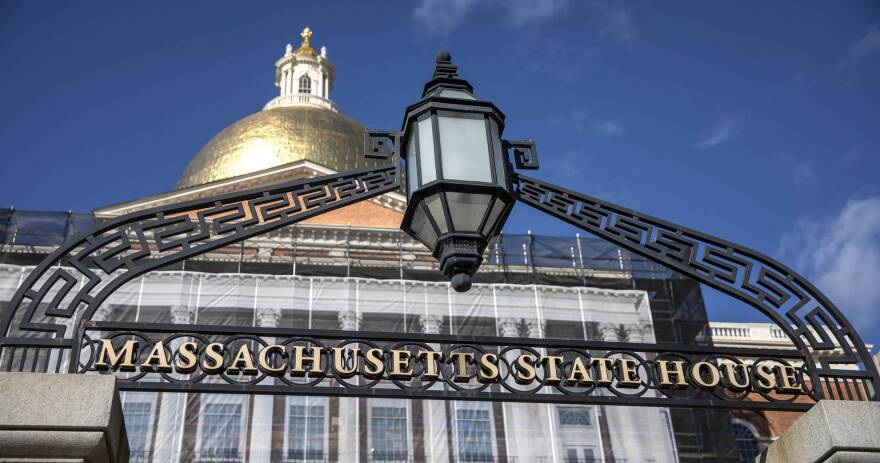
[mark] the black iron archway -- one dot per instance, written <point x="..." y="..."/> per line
<point x="49" y="316"/>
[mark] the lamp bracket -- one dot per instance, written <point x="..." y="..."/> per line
<point x="381" y="144"/>
<point x="525" y="154"/>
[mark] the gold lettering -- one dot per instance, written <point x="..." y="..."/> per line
<point x="665" y="373"/>
<point x="268" y="367"/>
<point x="431" y="357"/>
<point x="604" y="369"/>
<point x="731" y="378"/>
<point x="243" y="361"/>
<point x="788" y="379"/>
<point x="462" y="360"/>
<point x="489" y="368"/>
<point x="157" y="359"/>
<point x="400" y="368"/>
<point x="766" y="378"/>
<point x="339" y="361"/>
<point x="697" y="375"/>
<point x="213" y="362"/>
<point x="314" y="360"/>
<point x="525" y="369"/>
<point x="108" y="357"/>
<point x="375" y="365"/>
<point x="188" y="354"/>
<point x="551" y="368"/>
<point x="628" y="370"/>
<point x="580" y="374"/>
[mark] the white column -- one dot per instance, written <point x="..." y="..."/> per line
<point x="435" y="426"/>
<point x="636" y="433"/>
<point x="526" y="424"/>
<point x="172" y="410"/>
<point x="349" y="435"/>
<point x="261" y="420"/>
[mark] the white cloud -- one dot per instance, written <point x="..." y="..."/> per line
<point x="866" y="46"/>
<point x="802" y="171"/>
<point x="615" y="21"/>
<point x="853" y="155"/>
<point x="724" y="128"/>
<point x="584" y="121"/>
<point x="841" y="256"/>
<point x="440" y="17"/>
<point x="533" y="12"/>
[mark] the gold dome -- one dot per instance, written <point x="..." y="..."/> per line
<point x="279" y="136"/>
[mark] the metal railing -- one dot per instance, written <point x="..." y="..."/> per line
<point x="301" y="98"/>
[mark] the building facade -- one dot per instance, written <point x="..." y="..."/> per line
<point x="354" y="270"/>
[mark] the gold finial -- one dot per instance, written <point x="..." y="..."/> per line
<point x="306" y="47"/>
<point x="306" y="34"/>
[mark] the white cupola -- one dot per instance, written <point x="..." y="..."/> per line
<point x="303" y="76"/>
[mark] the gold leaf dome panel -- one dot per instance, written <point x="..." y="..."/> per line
<point x="279" y="136"/>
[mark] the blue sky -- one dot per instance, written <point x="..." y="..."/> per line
<point x="753" y="121"/>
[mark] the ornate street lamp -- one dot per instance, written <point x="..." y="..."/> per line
<point x="458" y="178"/>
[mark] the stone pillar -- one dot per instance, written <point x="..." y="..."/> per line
<point x="833" y="431"/>
<point x="436" y="429"/>
<point x="262" y="417"/>
<point x="349" y="431"/>
<point x="172" y="406"/>
<point x="71" y="418"/>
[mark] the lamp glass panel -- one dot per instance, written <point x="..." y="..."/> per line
<point x="494" y="214"/>
<point x="412" y="174"/>
<point x="421" y="226"/>
<point x="455" y="93"/>
<point x="464" y="148"/>
<point x="426" y="151"/>
<point x="467" y="210"/>
<point x="436" y="209"/>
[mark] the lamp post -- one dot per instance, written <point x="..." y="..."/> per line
<point x="458" y="178"/>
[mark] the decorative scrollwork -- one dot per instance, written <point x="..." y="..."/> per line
<point x="83" y="273"/>
<point x="525" y="153"/>
<point x="809" y="319"/>
<point x="381" y="145"/>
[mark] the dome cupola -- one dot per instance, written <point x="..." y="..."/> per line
<point x="303" y="76"/>
<point x="300" y="124"/>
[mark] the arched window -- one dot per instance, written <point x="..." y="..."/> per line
<point x="746" y="442"/>
<point x="305" y="84"/>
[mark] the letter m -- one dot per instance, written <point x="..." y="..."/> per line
<point x="108" y="358"/>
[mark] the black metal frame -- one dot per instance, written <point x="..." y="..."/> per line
<point x="777" y="291"/>
<point x="123" y="248"/>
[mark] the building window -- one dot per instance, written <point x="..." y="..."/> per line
<point x="389" y="435"/>
<point x="305" y="84"/>
<point x="580" y="455"/>
<point x="575" y="416"/>
<point x="305" y="433"/>
<point x="745" y="442"/>
<point x="138" y="416"/>
<point x="474" y="433"/>
<point x="221" y="433"/>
